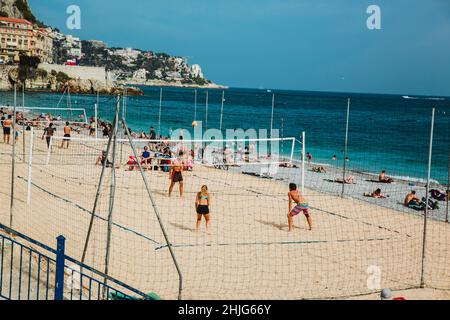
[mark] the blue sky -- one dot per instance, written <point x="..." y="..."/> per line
<point x="321" y="45"/>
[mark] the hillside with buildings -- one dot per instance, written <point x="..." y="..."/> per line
<point x="21" y="33"/>
<point x="128" y="64"/>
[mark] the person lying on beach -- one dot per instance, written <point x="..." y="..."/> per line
<point x="383" y="178"/>
<point x="301" y="206"/>
<point x="348" y="180"/>
<point x="319" y="169"/>
<point x="376" y="194"/>
<point x="202" y="207"/>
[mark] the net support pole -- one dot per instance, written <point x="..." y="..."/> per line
<point x="448" y="188"/>
<point x="96" y="120"/>
<point x="303" y="160"/>
<point x="23" y="123"/>
<point x="271" y="117"/>
<point x="292" y="151"/>
<point x="156" y="210"/>
<point x="221" y="110"/>
<point x="111" y="193"/>
<point x="97" y="196"/>
<point x="425" y="217"/>
<point x="282" y="139"/>
<point x="160" y="110"/>
<point x="13" y="159"/>
<point x="49" y="151"/>
<point x="30" y="166"/>
<point x="195" y="105"/>
<point x="344" y="171"/>
<point x="206" y="110"/>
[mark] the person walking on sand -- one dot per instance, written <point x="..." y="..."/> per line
<point x="301" y="206"/>
<point x="67" y="131"/>
<point x="202" y="207"/>
<point x="176" y="174"/>
<point x="48" y="134"/>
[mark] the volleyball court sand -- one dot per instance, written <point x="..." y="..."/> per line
<point x="248" y="254"/>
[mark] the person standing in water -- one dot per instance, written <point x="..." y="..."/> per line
<point x="202" y="206"/>
<point x="301" y="206"/>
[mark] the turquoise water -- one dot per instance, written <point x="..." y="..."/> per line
<point x="385" y="131"/>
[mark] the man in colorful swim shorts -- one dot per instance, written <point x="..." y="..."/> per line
<point x="301" y="206"/>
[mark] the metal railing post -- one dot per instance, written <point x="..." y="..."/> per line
<point x="60" y="264"/>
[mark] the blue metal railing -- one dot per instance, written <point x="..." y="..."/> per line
<point x="27" y="274"/>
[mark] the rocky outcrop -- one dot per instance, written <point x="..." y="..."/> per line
<point x="5" y="81"/>
<point x="16" y="9"/>
<point x="83" y="86"/>
<point x="52" y="82"/>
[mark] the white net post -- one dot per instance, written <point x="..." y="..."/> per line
<point x="30" y="166"/>
<point x="96" y="120"/>
<point x="49" y="151"/>
<point x="303" y="160"/>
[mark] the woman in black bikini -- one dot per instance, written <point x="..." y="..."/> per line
<point x="202" y="205"/>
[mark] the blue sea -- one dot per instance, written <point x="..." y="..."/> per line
<point x="386" y="132"/>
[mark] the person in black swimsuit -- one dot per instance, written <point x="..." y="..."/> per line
<point x="202" y="205"/>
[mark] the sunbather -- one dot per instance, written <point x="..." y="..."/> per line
<point x="376" y="194"/>
<point x="383" y="178"/>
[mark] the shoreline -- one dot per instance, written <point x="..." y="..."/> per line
<point x="160" y="83"/>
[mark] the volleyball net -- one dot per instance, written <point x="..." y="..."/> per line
<point x="110" y="199"/>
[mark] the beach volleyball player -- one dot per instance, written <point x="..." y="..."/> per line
<point x="176" y="173"/>
<point x="301" y="206"/>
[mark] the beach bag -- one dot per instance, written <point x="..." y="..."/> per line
<point x="437" y="195"/>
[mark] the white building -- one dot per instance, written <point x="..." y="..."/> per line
<point x="72" y="45"/>
<point x="128" y="53"/>
<point x="158" y="74"/>
<point x="196" y="71"/>
<point x="140" y="74"/>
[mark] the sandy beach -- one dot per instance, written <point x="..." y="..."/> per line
<point x="248" y="253"/>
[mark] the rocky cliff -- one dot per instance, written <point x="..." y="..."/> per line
<point x="16" y="9"/>
<point x="58" y="82"/>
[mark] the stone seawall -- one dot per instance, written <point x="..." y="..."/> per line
<point x="98" y="74"/>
